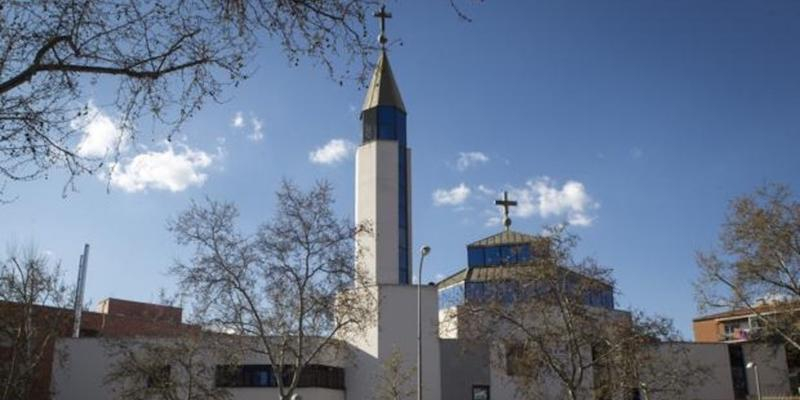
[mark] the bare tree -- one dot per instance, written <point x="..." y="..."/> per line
<point x="652" y="357"/>
<point x="395" y="380"/>
<point x="292" y="284"/>
<point x="553" y="328"/>
<point x="164" y="59"/>
<point x="174" y="368"/>
<point x="32" y="293"/>
<point x="758" y="265"/>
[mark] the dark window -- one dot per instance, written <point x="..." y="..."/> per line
<point x="517" y="363"/>
<point x="475" y="257"/>
<point x="493" y="256"/>
<point x="159" y="377"/>
<point x="508" y="255"/>
<point x="401" y="129"/>
<point x="369" y="124"/>
<point x="475" y="291"/>
<point x="480" y="392"/>
<point x="403" y="268"/>
<point x="738" y="371"/>
<point x="90" y="333"/>
<point x="387" y="126"/>
<point x="523" y="253"/>
<point x="260" y="375"/>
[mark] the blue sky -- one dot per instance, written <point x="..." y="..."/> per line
<point x="637" y="120"/>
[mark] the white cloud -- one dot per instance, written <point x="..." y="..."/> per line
<point x="637" y="153"/>
<point x="486" y="191"/>
<point x="332" y="152"/>
<point x="257" y="135"/>
<point x="238" y="120"/>
<point x="543" y="198"/>
<point x="468" y="159"/>
<point x="167" y="170"/>
<point x="451" y="197"/>
<point x="102" y="135"/>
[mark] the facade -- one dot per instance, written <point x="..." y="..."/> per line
<point x="740" y="325"/>
<point x="743" y="327"/>
<point x="495" y="266"/>
<point x="88" y="361"/>
<point x="723" y="374"/>
<point x="113" y="318"/>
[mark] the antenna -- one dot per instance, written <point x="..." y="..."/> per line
<point x="76" y="332"/>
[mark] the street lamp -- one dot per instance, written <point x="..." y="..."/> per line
<point x="643" y="386"/>
<point x="423" y="251"/>
<point x="754" y="367"/>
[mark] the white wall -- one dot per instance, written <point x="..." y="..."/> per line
<point x="376" y="203"/>
<point x="397" y="329"/>
<point x="86" y="361"/>
<point x="773" y="370"/>
<point x="714" y="361"/>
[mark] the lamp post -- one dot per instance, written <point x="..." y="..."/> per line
<point x="754" y="367"/>
<point x="646" y="395"/>
<point x="423" y="251"/>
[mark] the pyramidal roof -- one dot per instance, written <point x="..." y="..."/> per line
<point x="383" y="89"/>
<point x="506" y="237"/>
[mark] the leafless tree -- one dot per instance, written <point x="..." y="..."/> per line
<point x="181" y="367"/>
<point x="553" y="328"/>
<point x="32" y="293"/>
<point x="292" y="284"/>
<point x="162" y="59"/>
<point x="395" y="380"/>
<point x="651" y="356"/>
<point x="757" y="267"/>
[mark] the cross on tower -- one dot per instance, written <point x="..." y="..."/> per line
<point x="383" y="15"/>
<point x="506" y="203"/>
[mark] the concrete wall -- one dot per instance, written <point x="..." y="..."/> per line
<point x="376" y="203"/>
<point x="773" y="370"/>
<point x="463" y="366"/>
<point x="396" y="330"/>
<point x="715" y="381"/>
<point x="82" y="374"/>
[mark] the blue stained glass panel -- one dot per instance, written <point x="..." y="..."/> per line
<point x="493" y="255"/>
<point x="451" y="296"/>
<point x="475" y="257"/>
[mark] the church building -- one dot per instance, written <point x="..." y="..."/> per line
<point x="453" y="367"/>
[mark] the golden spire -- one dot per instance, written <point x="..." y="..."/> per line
<point x="383" y="89"/>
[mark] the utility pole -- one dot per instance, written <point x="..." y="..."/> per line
<point x="76" y="326"/>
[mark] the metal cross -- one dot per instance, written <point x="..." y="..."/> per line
<point x="506" y="203"/>
<point x="383" y="15"/>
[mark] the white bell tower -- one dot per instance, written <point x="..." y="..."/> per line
<point x="383" y="202"/>
<point x="383" y="187"/>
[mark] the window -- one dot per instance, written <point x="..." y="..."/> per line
<point x="493" y="256"/>
<point x="159" y="377"/>
<point x="516" y="362"/>
<point x="475" y="257"/>
<point x="261" y="375"/>
<point x="738" y="371"/>
<point x="480" y="392"/>
<point x="386" y="123"/>
<point x="451" y="296"/>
